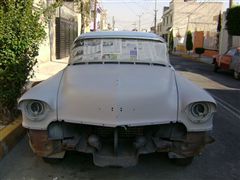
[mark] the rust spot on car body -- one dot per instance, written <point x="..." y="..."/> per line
<point x="41" y="145"/>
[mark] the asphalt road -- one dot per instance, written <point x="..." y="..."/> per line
<point x="220" y="160"/>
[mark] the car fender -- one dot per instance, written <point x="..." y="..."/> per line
<point x="47" y="92"/>
<point x="189" y="93"/>
<point x="235" y="65"/>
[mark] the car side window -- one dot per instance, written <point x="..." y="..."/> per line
<point x="237" y="52"/>
<point x="231" y="52"/>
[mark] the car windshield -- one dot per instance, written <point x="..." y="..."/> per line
<point x="119" y="50"/>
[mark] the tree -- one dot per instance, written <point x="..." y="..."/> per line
<point x="22" y="29"/>
<point x="189" y="43"/>
<point x="171" y="43"/>
<point x="219" y="28"/>
<point x="233" y="23"/>
<point x="199" y="51"/>
<point x="84" y="8"/>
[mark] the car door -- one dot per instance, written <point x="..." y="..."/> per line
<point x="226" y="59"/>
<point x="235" y="64"/>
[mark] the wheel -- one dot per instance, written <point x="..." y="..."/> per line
<point x="214" y="61"/>
<point x="182" y="161"/>
<point x="215" y="69"/>
<point x="52" y="160"/>
<point x="236" y="75"/>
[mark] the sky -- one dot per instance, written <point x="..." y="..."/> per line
<point x="126" y="12"/>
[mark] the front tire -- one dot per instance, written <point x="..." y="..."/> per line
<point x="182" y="161"/>
<point x="236" y="75"/>
<point x="52" y="160"/>
<point x="215" y="69"/>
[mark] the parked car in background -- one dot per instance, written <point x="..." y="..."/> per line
<point x="118" y="98"/>
<point x="228" y="61"/>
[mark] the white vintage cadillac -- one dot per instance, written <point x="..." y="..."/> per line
<point x="118" y="98"/>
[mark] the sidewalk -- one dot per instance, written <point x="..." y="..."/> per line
<point x="203" y="59"/>
<point x="45" y="70"/>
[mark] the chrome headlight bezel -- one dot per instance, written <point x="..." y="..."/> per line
<point x="200" y="112"/>
<point x="35" y="110"/>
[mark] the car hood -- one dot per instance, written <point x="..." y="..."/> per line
<point x="117" y="94"/>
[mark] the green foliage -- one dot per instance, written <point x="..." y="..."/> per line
<point x="199" y="51"/>
<point x="219" y="28"/>
<point x="84" y="8"/>
<point x="233" y="21"/>
<point x="171" y="43"/>
<point x="49" y="10"/>
<point x="189" y="43"/>
<point x="21" y="32"/>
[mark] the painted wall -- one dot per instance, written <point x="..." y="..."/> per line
<point x="47" y="50"/>
<point x="193" y="16"/>
<point x="44" y="48"/>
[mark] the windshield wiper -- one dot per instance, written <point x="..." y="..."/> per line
<point x="79" y="63"/>
<point x="159" y="64"/>
<point x="121" y="62"/>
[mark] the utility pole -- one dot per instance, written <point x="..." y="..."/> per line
<point x="155" y="18"/>
<point x="113" y="23"/>
<point x="95" y="16"/>
<point x="139" y="22"/>
<point x="135" y="25"/>
<point x="230" y="3"/>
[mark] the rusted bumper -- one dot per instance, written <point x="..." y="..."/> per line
<point x="191" y="146"/>
<point x="41" y="145"/>
<point x="116" y="146"/>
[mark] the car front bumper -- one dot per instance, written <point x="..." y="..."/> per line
<point x="120" y="146"/>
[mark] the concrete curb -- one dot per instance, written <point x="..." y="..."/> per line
<point x="186" y="56"/>
<point x="192" y="58"/>
<point x="10" y="135"/>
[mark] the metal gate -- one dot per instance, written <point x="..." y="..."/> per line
<point x="66" y="32"/>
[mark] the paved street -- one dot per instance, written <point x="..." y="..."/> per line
<point x="220" y="160"/>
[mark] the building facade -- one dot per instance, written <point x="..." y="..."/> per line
<point x="189" y="15"/>
<point x="101" y="17"/>
<point x="61" y="30"/>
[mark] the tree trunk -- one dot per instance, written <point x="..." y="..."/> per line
<point x="82" y="18"/>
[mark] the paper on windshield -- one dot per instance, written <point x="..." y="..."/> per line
<point x="111" y="49"/>
<point x="119" y="49"/>
<point x="129" y="50"/>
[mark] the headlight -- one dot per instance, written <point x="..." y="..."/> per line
<point x="35" y="110"/>
<point x="200" y="112"/>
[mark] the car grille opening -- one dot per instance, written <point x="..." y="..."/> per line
<point x="130" y="132"/>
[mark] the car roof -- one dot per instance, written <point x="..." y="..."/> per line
<point x="120" y="34"/>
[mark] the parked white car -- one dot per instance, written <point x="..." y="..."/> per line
<point x="118" y="98"/>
